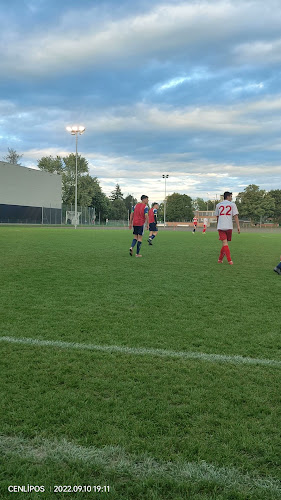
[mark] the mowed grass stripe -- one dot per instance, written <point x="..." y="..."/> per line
<point x="115" y="458"/>
<point x="142" y="351"/>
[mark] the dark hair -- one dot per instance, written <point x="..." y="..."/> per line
<point x="226" y="194"/>
<point x="143" y="196"/>
<point x="155" y="203"/>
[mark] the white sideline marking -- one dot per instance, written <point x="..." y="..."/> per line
<point x="116" y="459"/>
<point x="213" y="358"/>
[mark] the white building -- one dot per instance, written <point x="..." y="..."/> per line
<point x="28" y="195"/>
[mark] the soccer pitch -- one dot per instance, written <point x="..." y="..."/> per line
<point x="154" y="378"/>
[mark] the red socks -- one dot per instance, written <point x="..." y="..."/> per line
<point x="222" y="253"/>
<point x="227" y="252"/>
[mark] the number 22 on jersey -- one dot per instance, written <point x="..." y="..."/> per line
<point x="222" y="209"/>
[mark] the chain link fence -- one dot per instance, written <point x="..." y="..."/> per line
<point x="86" y="216"/>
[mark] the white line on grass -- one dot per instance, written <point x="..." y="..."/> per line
<point x="213" y="358"/>
<point x="115" y="458"/>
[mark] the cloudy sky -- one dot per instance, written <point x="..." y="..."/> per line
<point x="191" y="89"/>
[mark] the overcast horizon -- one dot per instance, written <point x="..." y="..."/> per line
<point x="189" y="89"/>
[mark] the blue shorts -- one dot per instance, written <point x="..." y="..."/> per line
<point x="138" y="230"/>
<point x="153" y="227"/>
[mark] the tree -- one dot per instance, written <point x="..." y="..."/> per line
<point x="12" y="157"/>
<point x="85" y="191"/>
<point x="255" y="203"/>
<point x="199" y="204"/>
<point x="179" y="207"/>
<point x="130" y="202"/>
<point x="100" y="201"/>
<point x="276" y="195"/>
<point x="118" y="210"/>
<point x="116" y="194"/>
<point x="66" y="167"/>
<point x="50" y="164"/>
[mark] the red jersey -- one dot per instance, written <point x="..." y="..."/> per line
<point x="152" y="214"/>
<point x="139" y="214"/>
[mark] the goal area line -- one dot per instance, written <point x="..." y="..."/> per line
<point x="143" y="351"/>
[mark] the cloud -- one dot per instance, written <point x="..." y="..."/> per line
<point x="259" y="52"/>
<point x="165" y="32"/>
<point x="194" y="76"/>
<point x="189" y="87"/>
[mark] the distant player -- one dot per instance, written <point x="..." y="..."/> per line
<point x="138" y="218"/>
<point x="225" y="211"/>
<point x="152" y="219"/>
<point x="205" y="223"/>
<point x="194" y="224"/>
<point x="277" y="269"/>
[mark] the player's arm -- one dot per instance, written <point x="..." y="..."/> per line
<point x="131" y="220"/>
<point x="146" y="220"/>
<point x="237" y="223"/>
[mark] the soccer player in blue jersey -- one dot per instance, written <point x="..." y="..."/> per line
<point x="152" y="219"/>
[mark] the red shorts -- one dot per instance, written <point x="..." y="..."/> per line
<point x="225" y="235"/>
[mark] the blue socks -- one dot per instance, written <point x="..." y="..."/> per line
<point x="133" y="243"/>
<point x="138" y="247"/>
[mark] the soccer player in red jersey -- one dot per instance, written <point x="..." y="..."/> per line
<point x="225" y="211"/>
<point x="194" y="224"/>
<point x="138" y="218"/>
<point x="152" y="219"/>
<point x="205" y="223"/>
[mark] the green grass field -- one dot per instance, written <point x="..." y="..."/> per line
<point x="158" y="377"/>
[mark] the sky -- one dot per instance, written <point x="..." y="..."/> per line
<point x="188" y="89"/>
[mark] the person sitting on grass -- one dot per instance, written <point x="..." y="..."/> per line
<point x="277" y="269"/>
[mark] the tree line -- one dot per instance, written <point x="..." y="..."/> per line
<point x="254" y="204"/>
<point x="89" y="192"/>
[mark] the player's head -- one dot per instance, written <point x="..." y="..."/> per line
<point x="144" y="199"/>
<point x="155" y="205"/>
<point x="227" y="195"/>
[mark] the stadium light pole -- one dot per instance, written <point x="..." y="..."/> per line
<point x="75" y="130"/>
<point x="165" y="176"/>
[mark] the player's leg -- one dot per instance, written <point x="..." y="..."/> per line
<point x="222" y="252"/>
<point x="227" y="250"/>
<point x="139" y="245"/>
<point x="134" y="242"/>
<point x="225" y="237"/>
<point x="153" y="232"/>
<point x="152" y="237"/>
